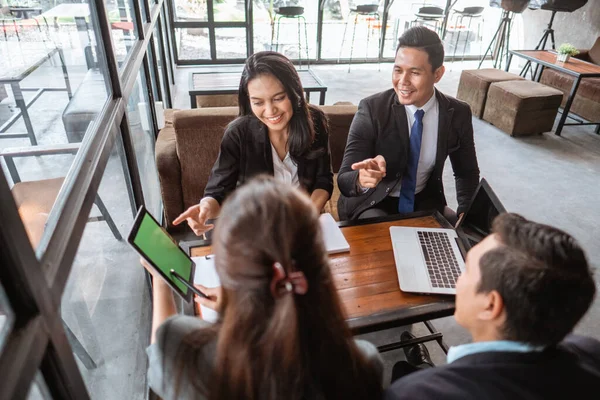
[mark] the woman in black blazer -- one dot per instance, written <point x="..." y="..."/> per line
<point x="277" y="132"/>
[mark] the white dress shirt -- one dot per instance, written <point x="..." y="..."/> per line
<point x="428" y="142"/>
<point x="285" y="171"/>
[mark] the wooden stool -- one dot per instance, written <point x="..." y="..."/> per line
<point x="474" y="84"/>
<point x="522" y="107"/>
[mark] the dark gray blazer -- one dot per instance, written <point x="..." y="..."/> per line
<point x="380" y="127"/>
<point x="570" y="370"/>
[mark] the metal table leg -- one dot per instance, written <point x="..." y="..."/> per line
<point x="193" y="102"/>
<point x="16" y="89"/>
<point x="565" y="112"/>
<point x="65" y="73"/>
<point x="322" y="98"/>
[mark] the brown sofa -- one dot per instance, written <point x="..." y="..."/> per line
<point x="188" y="145"/>
<point x="587" y="100"/>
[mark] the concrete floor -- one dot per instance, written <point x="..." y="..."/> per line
<point x="546" y="178"/>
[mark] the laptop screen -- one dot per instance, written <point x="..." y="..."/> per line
<point x="485" y="206"/>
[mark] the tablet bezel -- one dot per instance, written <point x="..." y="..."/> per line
<point x="142" y="211"/>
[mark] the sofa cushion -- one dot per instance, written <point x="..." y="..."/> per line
<point x="594" y="52"/>
<point x="587" y="100"/>
<point x="340" y="117"/>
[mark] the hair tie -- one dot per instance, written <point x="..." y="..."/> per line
<point x="281" y="284"/>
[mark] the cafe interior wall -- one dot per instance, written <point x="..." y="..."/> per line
<point x="581" y="27"/>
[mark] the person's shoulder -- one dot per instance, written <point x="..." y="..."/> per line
<point x="585" y="347"/>
<point x="242" y="126"/>
<point x="387" y="96"/>
<point x="178" y="326"/>
<point x="429" y="383"/>
<point x="453" y="102"/>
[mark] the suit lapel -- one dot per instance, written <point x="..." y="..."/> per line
<point x="401" y="125"/>
<point x="263" y="141"/>
<point x="444" y="123"/>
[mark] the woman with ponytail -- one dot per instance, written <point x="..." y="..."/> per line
<point x="281" y="332"/>
<point x="277" y="133"/>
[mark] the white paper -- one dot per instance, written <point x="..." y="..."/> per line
<point x="206" y="275"/>
<point x="335" y="242"/>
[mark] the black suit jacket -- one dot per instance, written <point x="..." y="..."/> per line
<point x="380" y="127"/>
<point x="246" y="152"/>
<point x="569" y="371"/>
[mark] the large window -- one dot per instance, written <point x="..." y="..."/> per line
<point x="77" y="129"/>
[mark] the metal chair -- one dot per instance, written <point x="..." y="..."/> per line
<point x="368" y="12"/>
<point x="297" y="13"/>
<point x="470" y="13"/>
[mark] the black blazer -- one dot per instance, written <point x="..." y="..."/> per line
<point x="569" y="371"/>
<point x="380" y="127"/>
<point x="246" y="152"/>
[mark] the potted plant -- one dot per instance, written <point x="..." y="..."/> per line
<point x="565" y="51"/>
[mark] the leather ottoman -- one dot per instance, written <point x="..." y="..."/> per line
<point x="522" y="107"/>
<point x="474" y="84"/>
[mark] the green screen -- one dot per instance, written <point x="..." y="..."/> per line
<point x="160" y="248"/>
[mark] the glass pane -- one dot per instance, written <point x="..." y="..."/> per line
<point x="124" y="31"/>
<point x="190" y="10"/>
<point x="352" y="30"/>
<point x="53" y="86"/>
<point x="7" y="318"/>
<point x="231" y="43"/>
<point x="162" y="69"/>
<point x="192" y="43"/>
<point x="292" y="32"/>
<point x="229" y="10"/>
<point x="39" y="390"/>
<point x="106" y="305"/>
<point x="143" y="135"/>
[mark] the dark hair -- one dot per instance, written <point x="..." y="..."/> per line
<point x="293" y="346"/>
<point x="543" y="277"/>
<point x="424" y="39"/>
<point x="301" y="126"/>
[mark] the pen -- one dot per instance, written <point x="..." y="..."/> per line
<point x="186" y="283"/>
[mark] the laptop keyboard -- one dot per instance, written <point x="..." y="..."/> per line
<point x="442" y="266"/>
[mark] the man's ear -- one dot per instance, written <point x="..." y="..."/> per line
<point x="438" y="73"/>
<point x="494" y="306"/>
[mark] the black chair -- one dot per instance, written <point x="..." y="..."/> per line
<point x="297" y="13"/>
<point x="469" y="13"/>
<point x="368" y="12"/>
<point x="431" y="16"/>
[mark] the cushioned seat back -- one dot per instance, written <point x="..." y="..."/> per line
<point x="340" y="118"/>
<point x="198" y="137"/>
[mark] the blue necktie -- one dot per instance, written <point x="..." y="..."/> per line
<point x="406" y="204"/>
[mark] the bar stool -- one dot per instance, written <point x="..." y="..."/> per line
<point x="430" y="14"/>
<point x="296" y="13"/>
<point x="470" y="13"/>
<point x="369" y="12"/>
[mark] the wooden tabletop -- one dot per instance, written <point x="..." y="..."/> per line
<point x="547" y="58"/>
<point x="367" y="281"/>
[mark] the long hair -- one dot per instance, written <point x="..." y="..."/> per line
<point x="301" y="126"/>
<point x="290" y="346"/>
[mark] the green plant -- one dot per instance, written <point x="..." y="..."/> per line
<point x="567" y="48"/>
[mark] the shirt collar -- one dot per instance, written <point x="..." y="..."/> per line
<point x="463" y="350"/>
<point x="426" y="107"/>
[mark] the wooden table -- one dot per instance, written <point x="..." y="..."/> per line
<point x="366" y="277"/>
<point x="575" y="67"/>
<point x="214" y="83"/>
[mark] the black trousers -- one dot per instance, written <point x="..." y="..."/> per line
<point x="389" y="206"/>
<point x="403" y="368"/>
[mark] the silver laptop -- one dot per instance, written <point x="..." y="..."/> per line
<point x="430" y="260"/>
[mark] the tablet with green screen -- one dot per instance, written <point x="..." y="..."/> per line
<point x="161" y="251"/>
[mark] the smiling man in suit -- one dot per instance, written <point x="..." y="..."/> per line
<point x="400" y="138"/>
